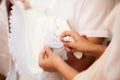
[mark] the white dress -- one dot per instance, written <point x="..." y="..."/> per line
<point x="107" y="67"/>
<point x="28" y="32"/>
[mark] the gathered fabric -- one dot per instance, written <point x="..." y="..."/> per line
<point x="44" y="22"/>
<point x="30" y="30"/>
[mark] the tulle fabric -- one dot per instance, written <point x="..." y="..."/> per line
<point x="79" y="18"/>
<point x="30" y="30"/>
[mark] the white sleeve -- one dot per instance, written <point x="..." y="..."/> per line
<point x="112" y="67"/>
<point x="91" y="15"/>
<point x="76" y="77"/>
<point x="107" y="67"/>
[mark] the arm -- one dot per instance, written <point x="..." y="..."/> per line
<point x="52" y="62"/>
<point x="95" y="48"/>
<point x="89" y="46"/>
<point x="66" y="71"/>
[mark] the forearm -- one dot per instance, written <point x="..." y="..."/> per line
<point x="95" y="48"/>
<point x="66" y="71"/>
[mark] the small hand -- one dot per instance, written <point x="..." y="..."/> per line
<point x="80" y="43"/>
<point x="48" y="60"/>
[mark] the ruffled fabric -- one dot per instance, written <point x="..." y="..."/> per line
<point x="30" y="30"/>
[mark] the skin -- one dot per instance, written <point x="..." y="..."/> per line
<point x="88" y="58"/>
<point x="82" y="44"/>
<point x="49" y="61"/>
<point x="85" y="62"/>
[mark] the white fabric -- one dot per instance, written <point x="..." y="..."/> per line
<point x="30" y="30"/>
<point x="90" y="14"/>
<point x="107" y="67"/>
<point x="4" y="51"/>
<point x="6" y="64"/>
<point x="84" y="16"/>
<point x="78" y="12"/>
<point x="112" y="67"/>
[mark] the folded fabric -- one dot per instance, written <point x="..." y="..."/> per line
<point x="30" y="30"/>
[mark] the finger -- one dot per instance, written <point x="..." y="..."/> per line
<point x="67" y="49"/>
<point x="63" y="35"/>
<point x="68" y="44"/>
<point x="48" y="50"/>
<point x="73" y="50"/>
<point x="42" y="54"/>
<point x="45" y="56"/>
<point x="84" y="36"/>
<point x="41" y="57"/>
<point x="69" y="33"/>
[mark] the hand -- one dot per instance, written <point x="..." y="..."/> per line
<point x="80" y="43"/>
<point x="52" y="62"/>
<point x="48" y="60"/>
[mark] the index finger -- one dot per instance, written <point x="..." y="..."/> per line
<point x="64" y="34"/>
<point x="42" y="54"/>
<point x="70" y="34"/>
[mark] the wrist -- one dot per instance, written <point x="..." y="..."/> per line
<point x="59" y="64"/>
<point x="56" y="62"/>
<point x="86" y="47"/>
<point x="96" y="50"/>
<point x="66" y="71"/>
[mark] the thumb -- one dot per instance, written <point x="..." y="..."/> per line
<point x="42" y="54"/>
<point x="68" y="44"/>
<point x="48" y="50"/>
